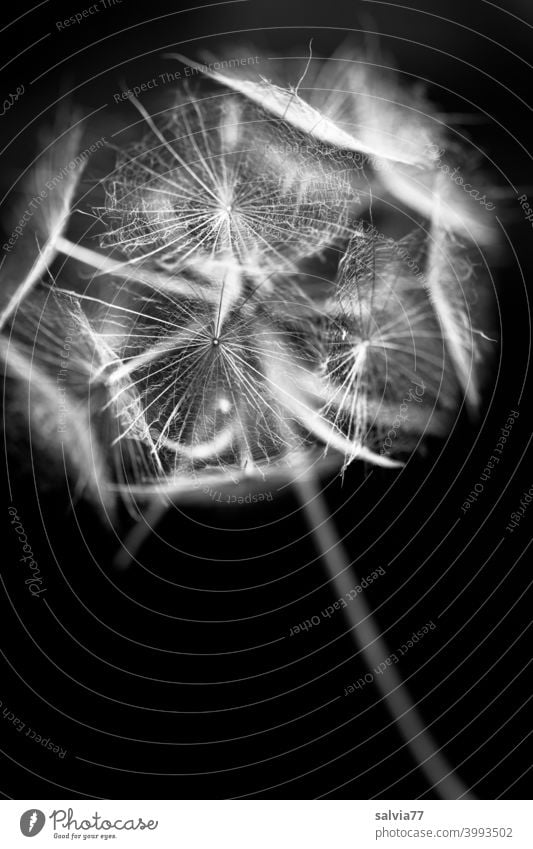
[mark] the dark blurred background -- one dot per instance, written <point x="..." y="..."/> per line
<point x="176" y="678"/>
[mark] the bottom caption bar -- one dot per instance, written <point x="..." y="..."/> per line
<point x="262" y="824"/>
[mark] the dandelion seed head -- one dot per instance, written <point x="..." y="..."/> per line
<point x="205" y="390"/>
<point x="385" y="336"/>
<point x="246" y="316"/>
<point x="188" y="187"/>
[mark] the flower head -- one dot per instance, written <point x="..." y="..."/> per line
<point x="245" y="316"/>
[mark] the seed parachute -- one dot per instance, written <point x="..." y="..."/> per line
<point x="250" y="288"/>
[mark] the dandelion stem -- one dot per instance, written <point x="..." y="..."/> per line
<point x="420" y="742"/>
<point x="139" y="533"/>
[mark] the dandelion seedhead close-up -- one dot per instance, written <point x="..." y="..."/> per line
<point x="247" y="297"/>
<point x="256" y="277"/>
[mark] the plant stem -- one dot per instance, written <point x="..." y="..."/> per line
<point x="139" y="533"/>
<point x="431" y="761"/>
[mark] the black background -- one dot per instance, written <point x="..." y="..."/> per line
<point x="177" y="678"/>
